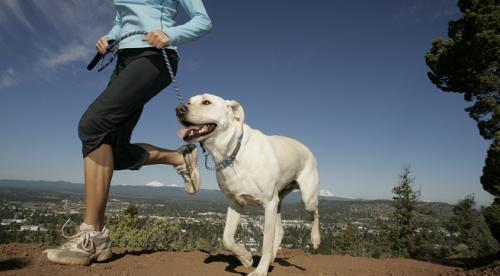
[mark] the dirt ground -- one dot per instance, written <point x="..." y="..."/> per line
<point x="22" y="259"/>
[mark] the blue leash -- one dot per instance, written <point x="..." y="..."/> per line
<point x="226" y="162"/>
<point x="113" y="49"/>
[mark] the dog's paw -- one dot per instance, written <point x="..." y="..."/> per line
<point x="255" y="273"/>
<point x="247" y="260"/>
<point x="275" y="253"/>
<point x="316" y="241"/>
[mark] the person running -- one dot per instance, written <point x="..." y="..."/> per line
<point x="105" y="128"/>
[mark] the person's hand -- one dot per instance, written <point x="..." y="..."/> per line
<point x="158" y="39"/>
<point x="102" y="45"/>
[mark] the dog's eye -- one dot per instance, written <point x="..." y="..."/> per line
<point x="206" y="102"/>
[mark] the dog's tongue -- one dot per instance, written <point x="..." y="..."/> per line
<point x="183" y="132"/>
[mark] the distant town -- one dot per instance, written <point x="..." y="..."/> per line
<point x="43" y="216"/>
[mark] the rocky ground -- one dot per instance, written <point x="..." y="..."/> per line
<point x="22" y="259"/>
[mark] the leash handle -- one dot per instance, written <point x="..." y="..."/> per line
<point x="94" y="61"/>
<point x="97" y="58"/>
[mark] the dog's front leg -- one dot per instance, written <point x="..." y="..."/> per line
<point x="232" y="221"/>
<point x="271" y="210"/>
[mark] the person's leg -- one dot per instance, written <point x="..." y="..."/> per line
<point x="98" y="170"/>
<point x="133" y="156"/>
<point x="159" y="155"/>
<point x="105" y="130"/>
<point x="92" y="242"/>
<point x="130" y="87"/>
<point x="137" y="80"/>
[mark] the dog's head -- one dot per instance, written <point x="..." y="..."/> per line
<point x="206" y="115"/>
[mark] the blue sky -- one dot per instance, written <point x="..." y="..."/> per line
<point x="347" y="78"/>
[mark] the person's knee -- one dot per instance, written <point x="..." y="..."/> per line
<point x="92" y="127"/>
<point x="129" y="156"/>
<point x="86" y="127"/>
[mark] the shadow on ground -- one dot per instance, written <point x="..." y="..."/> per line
<point x="233" y="262"/>
<point x="468" y="263"/>
<point x="134" y="252"/>
<point x="13" y="263"/>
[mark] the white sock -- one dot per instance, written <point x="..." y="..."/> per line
<point x="87" y="227"/>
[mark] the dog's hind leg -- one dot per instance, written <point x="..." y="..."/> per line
<point x="232" y="221"/>
<point x="308" y="182"/>
<point x="271" y="210"/>
<point x="278" y="234"/>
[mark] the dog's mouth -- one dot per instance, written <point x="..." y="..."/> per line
<point x="195" y="131"/>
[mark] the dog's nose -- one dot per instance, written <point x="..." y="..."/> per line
<point x="181" y="110"/>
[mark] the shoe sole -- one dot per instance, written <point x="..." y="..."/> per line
<point x="101" y="257"/>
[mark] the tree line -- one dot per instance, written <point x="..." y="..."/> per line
<point x="467" y="63"/>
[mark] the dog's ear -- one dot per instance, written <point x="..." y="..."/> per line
<point x="237" y="109"/>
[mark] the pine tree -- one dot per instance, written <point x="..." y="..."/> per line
<point x="467" y="63"/>
<point x="468" y="230"/>
<point x="491" y="183"/>
<point x="348" y="241"/>
<point x="131" y="210"/>
<point x="404" y="216"/>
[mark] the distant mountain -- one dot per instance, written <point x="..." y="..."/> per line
<point x="329" y="195"/>
<point x="333" y="208"/>
<point x="326" y="193"/>
<point x="154" y="191"/>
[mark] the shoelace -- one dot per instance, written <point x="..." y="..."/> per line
<point x="83" y="238"/>
<point x="185" y="173"/>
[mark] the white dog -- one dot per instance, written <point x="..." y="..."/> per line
<point x="252" y="169"/>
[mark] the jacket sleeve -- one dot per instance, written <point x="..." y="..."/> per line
<point x="199" y="24"/>
<point x="114" y="33"/>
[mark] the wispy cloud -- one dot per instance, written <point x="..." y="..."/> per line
<point x="55" y="35"/>
<point x="51" y="59"/>
<point x="16" y="12"/>
<point x="76" y="19"/>
<point x="8" y="78"/>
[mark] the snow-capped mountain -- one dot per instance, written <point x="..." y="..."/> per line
<point x="159" y="184"/>
<point x="326" y="193"/>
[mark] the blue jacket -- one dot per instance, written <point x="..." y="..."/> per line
<point x="148" y="15"/>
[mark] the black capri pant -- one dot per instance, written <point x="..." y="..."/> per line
<point x="139" y="75"/>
